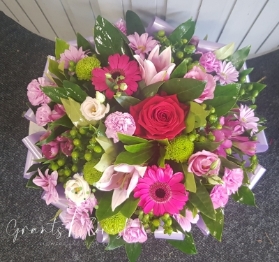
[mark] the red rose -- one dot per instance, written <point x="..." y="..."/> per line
<point x="159" y="117"/>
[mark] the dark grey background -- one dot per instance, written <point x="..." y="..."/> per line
<point x="250" y="233"/>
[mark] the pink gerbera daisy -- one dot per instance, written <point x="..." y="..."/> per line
<point x="72" y="54"/>
<point x="142" y="44"/>
<point x="226" y="73"/>
<point x="120" y="76"/>
<point x="161" y="191"/>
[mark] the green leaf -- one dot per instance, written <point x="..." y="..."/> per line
<point x="180" y="70"/>
<point x="60" y="47"/>
<point x="227" y="163"/>
<point x="109" y="40"/>
<point x="161" y="159"/>
<point x="55" y="93"/>
<point x="54" y="133"/>
<point x="187" y="89"/>
<point x="190" y="122"/>
<point x="114" y="242"/>
<point x="30" y="183"/>
<point x="202" y="201"/>
<point x="127" y="101"/>
<point x="63" y="121"/>
<point x="131" y="140"/>
<point x="190" y="182"/>
<point x="104" y="209"/>
<point x="138" y="158"/>
<point x="222" y="104"/>
<point x="53" y="67"/>
<point x="138" y="147"/>
<point x="225" y="51"/>
<point x="199" y="113"/>
<point x="207" y="145"/>
<point x="33" y="168"/>
<point x="227" y="90"/>
<point x="245" y="196"/>
<point x="183" y="31"/>
<point x="239" y="57"/>
<point x="215" y="227"/>
<point x="82" y="42"/>
<point x="187" y="246"/>
<point x="133" y="23"/>
<point x="72" y="109"/>
<point x="59" y="211"/>
<point x="89" y="240"/>
<point x="129" y="206"/>
<point x="74" y="91"/>
<point x="152" y="89"/>
<point x="133" y="251"/>
<point x="245" y="72"/>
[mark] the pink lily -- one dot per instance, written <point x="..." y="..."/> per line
<point x="157" y="67"/>
<point x="122" y="179"/>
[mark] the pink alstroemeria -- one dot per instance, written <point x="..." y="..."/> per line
<point x="186" y="221"/>
<point x="157" y="67"/>
<point x="122" y="179"/>
<point x="48" y="183"/>
<point x="247" y="147"/>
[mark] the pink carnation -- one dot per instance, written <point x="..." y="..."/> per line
<point x="48" y="183"/>
<point x="198" y="74"/>
<point x="121" y="25"/>
<point x="204" y="163"/>
<point x="43" y="115"/>
<point x="57" y="112"/>
<point x="50" y="150"/>
<point x="219" y="196"/>
<point x="134" y="232"/>
<point x="209" y="62"/>
<point x="34" y="92"/>
<point x="65" y="144"/>
<point x="118" y="122"/>
<point x="72" y="54"/>
<point x="233" y="179"/>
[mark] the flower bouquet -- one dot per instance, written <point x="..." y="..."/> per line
<point x="145" y="133"/>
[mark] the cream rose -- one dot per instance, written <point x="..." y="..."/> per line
<point x="92" y="109"/>
<point x="77" y="189"/>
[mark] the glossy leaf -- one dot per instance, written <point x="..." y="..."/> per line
<point x="187" y="89"/>
<point x="127" y="101"/>
<point x="138" y="158"/>
<point x="131" y="140"/>
<point x="190" y="122"/>
<point x="180" y="70"/>
<point x="53" y="67"/>
<point x="152" y="89"/>
<point x="183" y="31"/>
<point x="227" y="90"/>
<point x="89" y="240"/>
<point x="227" y="163"/>
<point x="30" y="183"/>
<point x="114" y="242"/>
<point x="60" y="47"/>
<point x="63" y="121"/>
<point x="245" y="72"/>
<point x="224" y="52"/>
<point x="84" y="43"/>
<point x="187" y="245"/>
<point x="222" y="104"/>
<point x="239" y="57"/>
<point x="133" y="251"/>
<point x="55" y="93"/>
<point x="74" y="91"/>
<point x="190" y="182"/>
<point x="134" y="23"/>
<point x="104" y="207"/>
<point x="207" y="145"/>
<point x="202" y="201"/>
<point x="215" y="227"/>
<point x="138" y="147"/>
<point x="33" y="168"/>
<point x="129" y="206"/>
<point x="244" y="195"/>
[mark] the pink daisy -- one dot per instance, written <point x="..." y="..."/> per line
<point x="120" y="76"/>
<point x="142" y="44"/>
<point x="72" y="54"/>
<point x="226" y="73"/>
<point x="161" y="191"/>
<point x="247" y="118"/>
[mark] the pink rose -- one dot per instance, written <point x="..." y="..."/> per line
<point x="208" y="92"/>
<point x="233" y="179"/>
<point x="134" y="232"/>
<point x="43" y="115"/>
<point x="57" y="112"/>
<point x="204" y="163"/>
<point x="50" y="150"/>
<point x="219" y="196"/>
<point x="65" y="144"/>
<point x="34" y="92"/>
<point x="209" y="62"/>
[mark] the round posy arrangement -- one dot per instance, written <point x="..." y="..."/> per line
<point x="145" y="133"/>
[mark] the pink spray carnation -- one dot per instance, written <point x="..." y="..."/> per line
<point x="204" y="163"/>
<point x="219" y="196"/>
<point x="233" y="179"/>
<point x="118" y="122"/>
<point x="43" y="115"/>
<point x="209" y="61"/>
<point x="50" y="150"/>
<point x="121" y="25"/>
<point x="72" y="54"/>
<point x="65" y="144"/>
<point x="48" y="183"/>
<point x="134" y="232"/>
<point x="57" y="112"/>
<point x="198" y="74"/>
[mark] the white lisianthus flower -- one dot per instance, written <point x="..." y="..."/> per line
<point x="77" y="189"/>
<point x="93" y="110"/>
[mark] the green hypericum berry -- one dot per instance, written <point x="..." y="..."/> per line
<point x="241" y="92"/>
<point x="98" y="149"/>
<point x="179" y="55"/>
<point x="242" y="79"/>
<point x="61" y="172"/>
<point x="82" y="130"/>
<point x="219" y="126"/>
<point x="211" y="137"/>
<point x="114" y="224"/>
<point x="254" y="158"/>
<point x="166" y="216"/>
<point x="90" y="173"/>
<point x="192" y="137"/>
<point x="67" y="172"/>
<point x="156" y="222"/>
<point x="255" y="93"/>
<point x="62" y="179"/>
<point x="76" y="142"/>
<point x="161" y="33"/>
<point x="85" y="66"/>
<point x="61" y="162"/>
<point x="54" y="166"/>
<point x="254" y="138"/>
<point x="213" y="118"/>
<point x="202" y="138"/>
<point x="212" y="110"/>
<point x="250" y="87"/>
<point x="74" y="168"/>
<point x="179" y="149"/>
<point x="73" y="133"/>
<point x="75" y="155"/>
<point x="88" y="156"/>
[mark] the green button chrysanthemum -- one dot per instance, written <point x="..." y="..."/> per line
<point x="113" y="225"/>
<point x="91" y="175"/>
<point x="179" y="149"/>
<point x="85" y="66"/>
